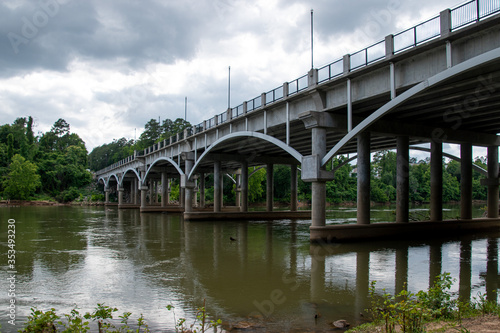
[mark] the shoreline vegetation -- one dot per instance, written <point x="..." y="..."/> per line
<point x="434" y="310"/>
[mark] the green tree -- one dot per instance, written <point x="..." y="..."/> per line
<point x="29" y="131"/>
<point x="343" y="186"/>
<point x="22" y="179"/>
<point x="60" y="127"/>
<point x="152" y="132"/>
<point x="10" y="146"/>
<point x="170" y="128"/>
<point x="255" y="184"/>
<point x="110" y="153"/>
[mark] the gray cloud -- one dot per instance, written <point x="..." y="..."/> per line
<point x="129" y="36"/>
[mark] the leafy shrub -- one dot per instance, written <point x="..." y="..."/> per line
<point x="69" y="195"/>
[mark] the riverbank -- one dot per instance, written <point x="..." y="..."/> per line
<point x="489" y="323"/>
<point x="17" y="203"/>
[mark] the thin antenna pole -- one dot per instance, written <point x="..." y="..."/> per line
<point x="312" y="39"/>
<point x="185" y="108"/>
<point x="229" y="89"/>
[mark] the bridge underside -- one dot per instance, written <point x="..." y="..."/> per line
<point x="443" y="91"/>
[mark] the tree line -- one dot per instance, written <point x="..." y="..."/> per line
<point x="56" y="164"/>
<point x="49" y="165"/>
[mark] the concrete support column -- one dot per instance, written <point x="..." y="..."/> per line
<point x="318" y="199"/>
<point x="403" y="179"/>
<point x="318" y="187"/>
<point x="363" y="178"/>
<point x="188" y="185"/>
<point x="466" y="181"/>
<point x="144" y="193"/>
<point x="237" y="190"/>
<point x="120" y="196"/>
<point x="217" y="187"/>
<point x="244" y="187"/>
<point x="155" y="191"/>
<point x="138" y="192"/>
<point x="493" y="177"/>
<point x="164" y="187"/>
<point x="269" y="187"/>
<point x="106" y="193"/>
<point x="182" y="196"/>
<point x="150" y="187"/>
<point x="293" y="187"/>
<point x="436" y="181"/>
<point x="312" y="170"/>
<point x="202" y="190"/>
<point x="169" y="184"/>
<point x="195" y="193"/>
<point x="133" y="192"/>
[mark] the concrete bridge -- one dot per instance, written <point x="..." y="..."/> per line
<point x="437" y="82"/>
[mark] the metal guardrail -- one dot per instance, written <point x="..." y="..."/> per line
<point x="473" y="11"/>
<point x="237" y="111"/>
<point x="274" y="95"/>
<point x="254" y="104"/>
<point x="331" y="70"/>
<point x="418" y="34"/>
<point x="297" y="85"/>
<point x="461" y="16"/>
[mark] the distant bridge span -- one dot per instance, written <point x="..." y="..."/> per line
<point x="437" y="82"/>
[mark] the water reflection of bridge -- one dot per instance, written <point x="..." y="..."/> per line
<point x="269" y="270"/>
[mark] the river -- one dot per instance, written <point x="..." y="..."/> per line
<point x="270" y="276"/>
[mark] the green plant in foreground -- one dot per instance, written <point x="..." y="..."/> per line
<point x="438" y="298"/>
<point x="410" y="311"/>
<point x="40" y="321"/>
<point x="486" y="306"/>
<point x="199" y="325"/>
<point x="74" y="323"/>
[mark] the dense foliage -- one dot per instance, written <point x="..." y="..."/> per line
<point x="54" y="163"/>
<point x="110" y="153"/>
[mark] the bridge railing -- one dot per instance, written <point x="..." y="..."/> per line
<point x="367" y="55"/>
<point x="237" y="111"/>
<point x="254" y="103"/>
<point x="460" y="16"/>
<point x="331" y="70"/>
<point x="274" y="95"/>
<point x="297" y="85"/>
<point x="417" y="35"/>
<point x="473" y="11"/>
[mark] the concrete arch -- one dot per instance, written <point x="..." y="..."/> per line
<point x="169" y="160"/>
<point x="116" y="177"/>
<point x="125" y="172"/>
<point x="414" y="91"/>
<point x="104" y="182"/>
<point x="295" y="154"/>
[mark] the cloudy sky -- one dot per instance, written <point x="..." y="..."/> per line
<point x="108" y="66"/>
